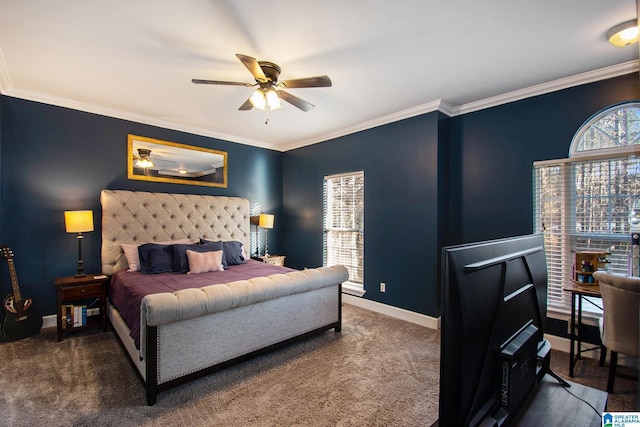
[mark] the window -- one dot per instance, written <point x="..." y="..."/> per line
<point x="588" y="201"/>
<point x="344" y="227"/>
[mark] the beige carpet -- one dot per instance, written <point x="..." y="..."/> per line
<point x="379" y="371"/>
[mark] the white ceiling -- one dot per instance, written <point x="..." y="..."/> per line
<point x="388" y="59"/>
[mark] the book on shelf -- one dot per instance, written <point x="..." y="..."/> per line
<point x="74" y="316"/>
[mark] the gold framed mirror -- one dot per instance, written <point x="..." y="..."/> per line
<point x="156" y="160"/>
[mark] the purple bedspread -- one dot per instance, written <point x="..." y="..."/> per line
<point x="128" y="288"/>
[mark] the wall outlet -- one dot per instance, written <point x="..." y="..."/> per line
<point x="383" y="287"/>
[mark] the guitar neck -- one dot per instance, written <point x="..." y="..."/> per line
<point x="14" y="280"/>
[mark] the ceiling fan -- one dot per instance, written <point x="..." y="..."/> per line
<point x="270" y="90"/>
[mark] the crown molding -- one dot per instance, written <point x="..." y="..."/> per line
<point x="124" y="115"/>
<point x="429" y="107"/>
<point x="5" y="83"/>
<point x="437" y="105"/>
<point x="552" y="86"/>
<point x="452" y="110"/>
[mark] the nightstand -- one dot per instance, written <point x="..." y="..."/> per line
<point x="271" y="259"/>
<point x="84" y="313"/>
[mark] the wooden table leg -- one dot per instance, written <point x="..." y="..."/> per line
<point x="572" y="336"/>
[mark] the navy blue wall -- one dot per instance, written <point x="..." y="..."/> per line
<point x="401" y="168"/>
<point x="432" y="180"/>
<point x="56" y="159"/>
<point x="496" y="149"/>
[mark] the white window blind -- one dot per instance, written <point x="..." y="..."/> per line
<point x="344" y="224"/>
<point x="587" y="202"/>
<point x="584" y="204"/>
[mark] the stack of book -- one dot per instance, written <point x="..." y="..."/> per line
<point x="74" y="316"/>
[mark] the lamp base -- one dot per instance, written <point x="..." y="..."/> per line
<point x="80" y="272"/>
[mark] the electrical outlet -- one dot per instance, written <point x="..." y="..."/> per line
<point x="383" y="287"/>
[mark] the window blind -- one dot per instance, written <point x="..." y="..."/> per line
<point x="584" y="204"/>
<point x="344" y="223"/>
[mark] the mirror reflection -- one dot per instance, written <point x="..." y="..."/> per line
<point x="164" y="161"/>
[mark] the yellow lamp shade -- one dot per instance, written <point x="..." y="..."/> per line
<point x="265" y="221"/>
<point x="78" y="221"/>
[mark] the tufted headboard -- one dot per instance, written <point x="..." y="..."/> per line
<point x="142" y="217"/>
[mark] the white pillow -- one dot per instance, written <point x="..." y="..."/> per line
<point x="202" y="262"/>
<point x="131" y="251"/>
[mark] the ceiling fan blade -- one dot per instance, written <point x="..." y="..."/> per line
<point x="318" y="81"/>
<point x="295" y="101"/>
<point x="253" y="67"/>
<point x="246" y="106"/>
<point x="217" y="82"/>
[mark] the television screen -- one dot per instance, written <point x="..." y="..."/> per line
<point x="494" y="305"/>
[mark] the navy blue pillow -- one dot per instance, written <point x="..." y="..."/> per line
<point x="180" y="259"/>
<point x="155" y="258"/>
<point x="231" y="252"/>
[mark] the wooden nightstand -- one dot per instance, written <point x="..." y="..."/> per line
<point x="72" y="289"/>
<point x="271" y="259"/>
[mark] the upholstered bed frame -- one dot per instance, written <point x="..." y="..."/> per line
<point x="193" y="332"/>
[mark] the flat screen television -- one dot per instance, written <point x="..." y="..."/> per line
<point x="492" y="343"/>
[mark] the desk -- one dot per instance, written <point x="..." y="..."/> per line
<point x="552" y="405"/>
<point x="575" y="334"/>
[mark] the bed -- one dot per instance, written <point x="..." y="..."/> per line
<point x="176" y="327"/>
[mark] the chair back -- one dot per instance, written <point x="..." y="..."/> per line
<point x="621" y="307"/>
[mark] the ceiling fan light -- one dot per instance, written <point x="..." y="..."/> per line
<point x="624" y="34"/>
<point x="273" y="100"/>
<point x="258" y="99"/>
<point x="144" y="163"/>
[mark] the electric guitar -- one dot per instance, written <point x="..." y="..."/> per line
<point x="21" y="318"/>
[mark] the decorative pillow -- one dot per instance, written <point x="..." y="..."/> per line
<point x="155" y="258"/>
<point x="233" y="252"/>
<point x="131" y="251"/>
<point x="180" y="259"/>
<point x="202" y="262"/>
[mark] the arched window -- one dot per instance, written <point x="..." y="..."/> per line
<point x="589" y="200"/>
<point x="609" y="130"/>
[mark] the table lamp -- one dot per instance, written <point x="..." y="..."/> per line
<point x="79" y="222"/>
<point x="265" y="221"/>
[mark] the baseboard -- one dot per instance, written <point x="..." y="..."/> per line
<point x="389" y="310"/>
<point x="557" y="343"/>
<point x="49" y="321"/>
<point x="564" y="344"/>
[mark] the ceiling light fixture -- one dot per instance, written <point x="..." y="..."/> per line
<point x="624" y="34"/>
<point x="144" y="161"/>
<point x="273" y="101"/>
<point x="263" y="98"/>
<point x="258" y="99"/>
